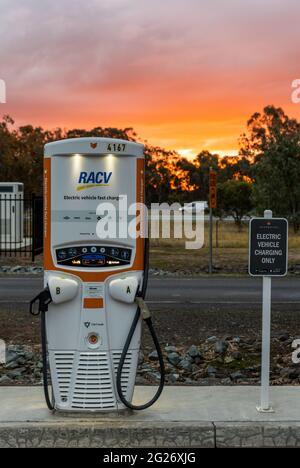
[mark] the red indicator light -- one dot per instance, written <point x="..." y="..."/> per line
<point x="93" y="339"/>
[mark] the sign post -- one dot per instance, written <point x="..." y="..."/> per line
<point x="268" y="249"/>
<point x="265" y="352"/>
<point x="268" y="254"/>
<point x="212" y="204"/>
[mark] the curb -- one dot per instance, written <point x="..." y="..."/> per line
<point x="87" y="434"/>
<point x="254" y="434"/>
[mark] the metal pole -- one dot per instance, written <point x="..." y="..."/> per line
<point x="210" y="267"/>
<point x="266" y="340"/>
<point x="33" y="227"/>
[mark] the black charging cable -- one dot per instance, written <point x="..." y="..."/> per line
<point x="148" y="321"/>
<point x="44" y="299"/>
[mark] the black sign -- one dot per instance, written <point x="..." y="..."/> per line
<point x="268" y="247"/>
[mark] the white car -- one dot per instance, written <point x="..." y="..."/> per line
<point x="194" y="207"/>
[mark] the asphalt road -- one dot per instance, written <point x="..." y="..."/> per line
<point x="178" y="291"/>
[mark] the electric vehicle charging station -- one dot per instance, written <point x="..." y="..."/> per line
<point x="92" y="305"/>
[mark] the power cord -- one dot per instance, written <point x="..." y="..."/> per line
<point x="143" y="310"/>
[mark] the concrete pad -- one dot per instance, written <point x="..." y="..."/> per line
<point x="177" y="403"/>
<point x="183" y="416"/>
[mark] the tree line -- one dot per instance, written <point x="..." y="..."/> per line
<point x="265" y="174"/>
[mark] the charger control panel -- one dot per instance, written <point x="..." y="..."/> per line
<point x="93" y="256"/>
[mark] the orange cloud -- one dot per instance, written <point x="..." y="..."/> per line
<point x="185" y="75"/>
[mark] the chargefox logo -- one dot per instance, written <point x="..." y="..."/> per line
<point x="93" y="179"/>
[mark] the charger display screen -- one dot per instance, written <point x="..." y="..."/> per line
<point x="92" y="256"/>
<point x="93" y="259"/>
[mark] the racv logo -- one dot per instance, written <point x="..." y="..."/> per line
<point x="92" y="179"/>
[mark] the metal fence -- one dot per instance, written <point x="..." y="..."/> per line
<point x="21" y="225"/>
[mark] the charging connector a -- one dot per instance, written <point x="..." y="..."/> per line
<point x="145" y="311"/>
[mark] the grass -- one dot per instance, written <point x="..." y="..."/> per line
<point x="244" y="363"/>
<point x="225" y="235"/>
<point x="230" y="251"/>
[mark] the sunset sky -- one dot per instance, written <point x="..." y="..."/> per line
<point x="186" y="74"/>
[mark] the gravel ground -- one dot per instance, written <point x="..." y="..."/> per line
<point x="201" y="347"/>
<point x="176" y="272"/>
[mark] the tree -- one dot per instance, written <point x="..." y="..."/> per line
<point x="272" y="144"/>
<point x="159" y="178"/>
<point x="235" y="199"/>
<point x="105" y="132"/>
<point x="21" y="158"/>
<point x="197" y="173"/>
<point x="235" y="167"/>
<point x="21" y="153"/>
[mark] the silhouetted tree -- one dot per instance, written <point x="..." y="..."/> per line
<point x="272" y="145"/>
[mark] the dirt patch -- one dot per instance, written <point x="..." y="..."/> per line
<point x="184" y="326"/>
<point x="201" y="347"/>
